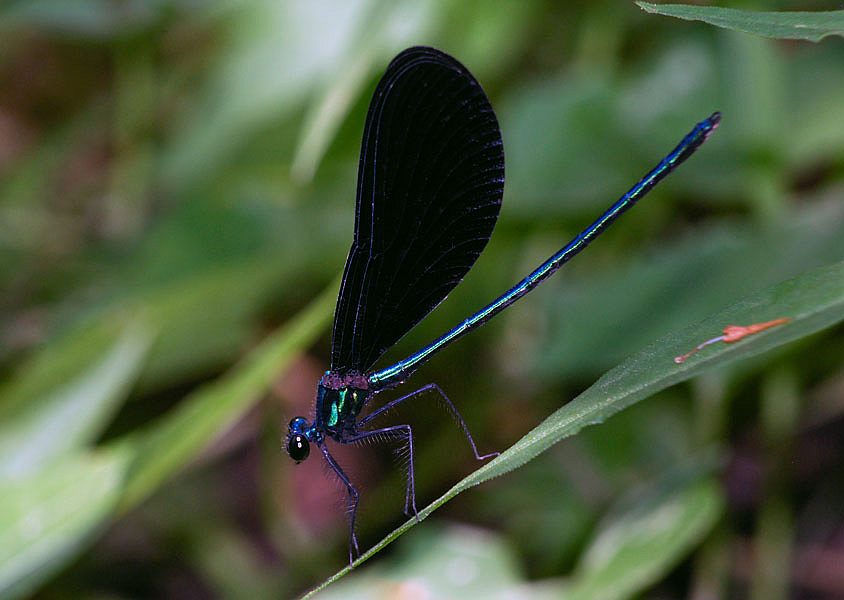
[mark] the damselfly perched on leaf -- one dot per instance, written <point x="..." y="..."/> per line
<point x="430" y="183"/>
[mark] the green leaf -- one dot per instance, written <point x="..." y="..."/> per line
<point x="813" y="301"/>
<point x="45" y="517"/>
<point x="176" y="440"/>
<point x="266" y="69"/>
<point x="66" y="396"/>
<point x="811" y="26"/>
<point x="637" y="546"/>
<point x="686" y="279"/>
<point x="218" y="304"/>
<point x="649" y="531"/>
<point x="389" y="27"/>
<point x="326" y="116"/>
<point x="447" y="562"/>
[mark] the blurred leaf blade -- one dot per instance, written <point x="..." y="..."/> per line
<point x="45" y="517"/>
<point x="810" y="26"/>
<point x="135" y="465"/>
<point x="490" y="569"/>
<point x="219" y="304"/>
<point x="813" y="300"/>
<point x="638" y="546"/>
<point x="324" y="119"/>
<point x="64" y="400"/>
<point x="263" y="75"/>
<point x="168" y="445"/>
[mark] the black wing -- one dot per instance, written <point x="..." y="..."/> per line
<point x="430" y="182"/>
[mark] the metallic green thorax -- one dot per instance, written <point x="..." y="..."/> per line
<point x="337" y="408"/>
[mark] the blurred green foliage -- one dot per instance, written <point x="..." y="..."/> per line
<point x="176" y="195"/>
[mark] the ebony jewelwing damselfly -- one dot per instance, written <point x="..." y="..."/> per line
<point x="430" y="183"/>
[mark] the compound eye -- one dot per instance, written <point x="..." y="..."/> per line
<point x="298" y="425"/>
<point x="298" y="447"/>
